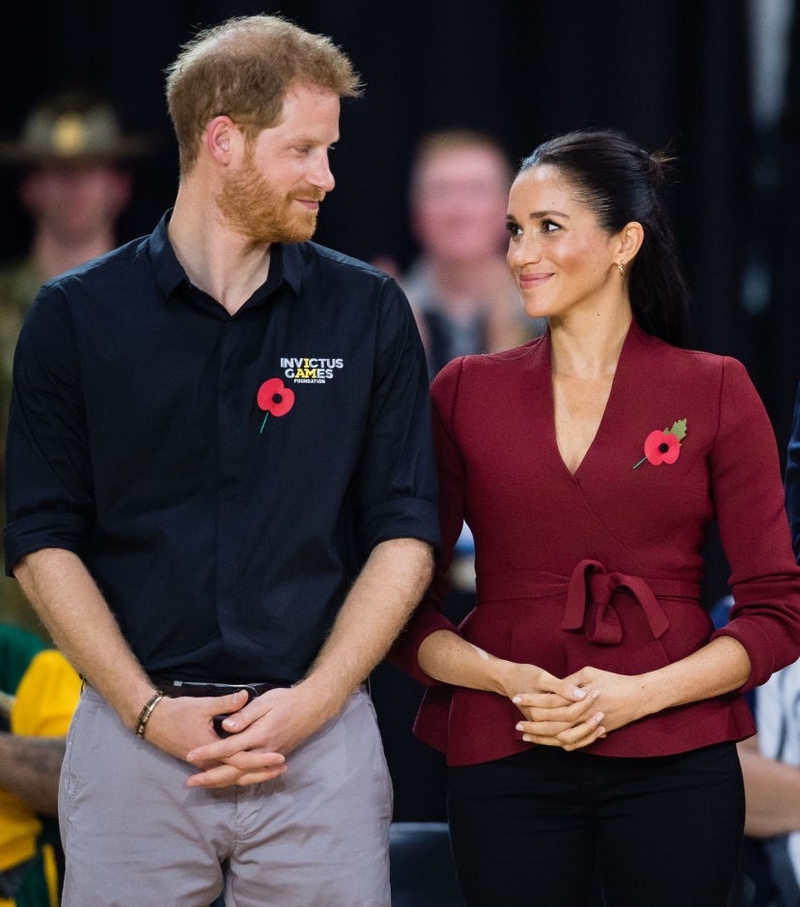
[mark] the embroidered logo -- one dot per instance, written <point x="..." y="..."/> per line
<point x="274" y="397"/>
<point x="308" y="370"/>
<point x="663" y="446"/>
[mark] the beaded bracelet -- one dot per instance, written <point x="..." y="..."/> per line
<point x="147" y="711"/>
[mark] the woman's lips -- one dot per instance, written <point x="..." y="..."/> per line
<point x="530" y="281"/>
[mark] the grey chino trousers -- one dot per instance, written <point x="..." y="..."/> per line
<point x="134" y="834"/>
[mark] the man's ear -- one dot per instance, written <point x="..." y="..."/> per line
<point x="222" y="139"/>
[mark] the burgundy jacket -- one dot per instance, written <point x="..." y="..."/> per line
<point x="603" y="567"/>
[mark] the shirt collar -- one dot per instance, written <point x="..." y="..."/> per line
<point x="285" y="265"/>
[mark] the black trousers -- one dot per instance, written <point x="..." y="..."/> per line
<point x="547" y="828"/>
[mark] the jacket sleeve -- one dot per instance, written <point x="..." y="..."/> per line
<point x="748" y="496"/>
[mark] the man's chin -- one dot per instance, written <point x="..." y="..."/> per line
<point x="304" y="229"/>
<point x="291" y="233"/>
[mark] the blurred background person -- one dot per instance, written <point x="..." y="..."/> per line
<point x="38" y="694"/>
<point x="771" y="759"/>
<point x="74" y="184"/>
<point x="771" y="770"/>
<point x="459" y="285"/>
<point x="465" y="301"/>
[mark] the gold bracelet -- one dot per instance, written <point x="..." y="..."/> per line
<point x="147" y="711"/>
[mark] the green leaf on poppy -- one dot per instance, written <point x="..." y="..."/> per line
<point x="678" y="429"/>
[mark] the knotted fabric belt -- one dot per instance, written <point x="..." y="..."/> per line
<point x="591" y="584"/>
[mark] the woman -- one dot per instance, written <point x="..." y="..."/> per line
<point x="587" y="708"/>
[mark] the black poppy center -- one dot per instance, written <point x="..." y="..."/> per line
<point x="663" y="447"/>
<point x="276" y="398"/>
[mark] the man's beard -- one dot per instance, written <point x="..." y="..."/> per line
<point x="254" y="208"/>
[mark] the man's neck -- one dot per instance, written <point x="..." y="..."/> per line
<point x="226" y="266"/>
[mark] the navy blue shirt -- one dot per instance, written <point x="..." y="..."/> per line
<point x="223" y="477"/>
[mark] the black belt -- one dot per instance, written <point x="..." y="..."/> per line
<point x="175" y="688"/>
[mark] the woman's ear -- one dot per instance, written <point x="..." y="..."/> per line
<point x="630" y="239"/>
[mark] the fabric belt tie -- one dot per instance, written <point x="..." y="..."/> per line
<point x="591" y="584"/>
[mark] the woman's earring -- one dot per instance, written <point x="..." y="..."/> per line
<point x="621" y="268"/>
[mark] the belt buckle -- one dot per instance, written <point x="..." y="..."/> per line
<point x="216" y="721"/>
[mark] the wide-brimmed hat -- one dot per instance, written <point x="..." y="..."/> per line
<point x="73" y="128"/>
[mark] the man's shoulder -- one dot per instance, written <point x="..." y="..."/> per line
<point x="118" y="261"/>
<point x="312" y="252"/>
<point x="109" y="278"/>
<point x="325" y="276"/>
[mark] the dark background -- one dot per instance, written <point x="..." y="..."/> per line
<point x="670" y="72"/>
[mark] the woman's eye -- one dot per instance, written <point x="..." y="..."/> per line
<point x="549" y="226"/>
<point x="513" y="228"/>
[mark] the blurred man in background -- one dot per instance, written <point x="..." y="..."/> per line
<point x="465" y="302"/>
<point x="460" y="285"/>
<point x="74" y="184"/>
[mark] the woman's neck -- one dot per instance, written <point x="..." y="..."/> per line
<point x="589" y="347"/>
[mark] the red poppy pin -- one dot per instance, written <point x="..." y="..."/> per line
<point x="663" y="446"/>
<point x="274" y="397"/>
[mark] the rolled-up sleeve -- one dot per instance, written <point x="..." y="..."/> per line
<point x="48" y="460"/>
<point x="398" y="474"/>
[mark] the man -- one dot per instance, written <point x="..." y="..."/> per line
<point x="460" y="285"/>
<point x="74" y="184"/>
<point x="220" y="489"/>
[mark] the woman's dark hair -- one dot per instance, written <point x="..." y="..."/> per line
<point x="621" y="183"/>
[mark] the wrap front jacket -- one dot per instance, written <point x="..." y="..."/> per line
<point x="603" y="567"/>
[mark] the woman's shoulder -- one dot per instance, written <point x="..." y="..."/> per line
<point x="694" y="364"/>
<point x="481" y="381"/>
<point x="482" y="365"/>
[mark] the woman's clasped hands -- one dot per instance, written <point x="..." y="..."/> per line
<point x="574" y="712"/>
